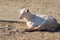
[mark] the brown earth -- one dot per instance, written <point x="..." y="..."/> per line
<point x="14" y="30"/>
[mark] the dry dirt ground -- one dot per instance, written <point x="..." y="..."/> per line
<point x="14" y="30"/>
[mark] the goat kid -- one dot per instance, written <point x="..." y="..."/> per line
<point x="38" y="22"/>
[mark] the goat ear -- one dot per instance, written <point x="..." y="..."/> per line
<point x="27" y="10"/>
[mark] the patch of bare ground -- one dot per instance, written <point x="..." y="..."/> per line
<point x="14" y="31"/>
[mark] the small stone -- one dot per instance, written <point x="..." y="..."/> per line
<point x="17" y="30"/>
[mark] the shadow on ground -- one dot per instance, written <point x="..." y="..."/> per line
<point x="58" y="29"/>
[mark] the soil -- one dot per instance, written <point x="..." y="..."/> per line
<point x="14" y="30"/>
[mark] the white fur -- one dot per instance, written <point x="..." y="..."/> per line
<point x="34" y="20"/>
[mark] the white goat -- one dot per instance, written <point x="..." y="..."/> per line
<point x="35" y="22"/>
